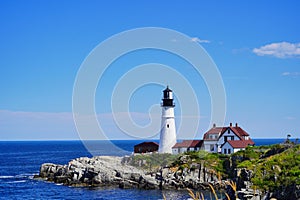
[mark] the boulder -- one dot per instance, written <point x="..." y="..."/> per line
<point x="95" y="171"/>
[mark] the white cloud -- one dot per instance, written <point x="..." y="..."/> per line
<point x="195" y="39"/>
<point x="286" y="73"/>
<point x="290" y="118"/>
<point x="279" y="50"/>
<point x="294" y="74"/>
<point x="19" y="125"/>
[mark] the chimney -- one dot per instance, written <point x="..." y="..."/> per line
<point x="236" y="125"/>
<point x="230" y="124"/>
<point x="214" y="125"/>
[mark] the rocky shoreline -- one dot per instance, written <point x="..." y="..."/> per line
<point x="97" y="171"/>
<point x="115" y="171"/>
<point x="272" y="169"/>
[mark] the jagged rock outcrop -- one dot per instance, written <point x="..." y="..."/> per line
<point x="194" y="177"/>
<point x="97" y="171"/>
<point x="184" y="174"/>
<point x="109" y="170"/>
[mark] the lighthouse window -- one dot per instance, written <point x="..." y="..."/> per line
<point x="167" y="125"/>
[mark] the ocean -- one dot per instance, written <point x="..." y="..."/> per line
<point x="21" y="160"/>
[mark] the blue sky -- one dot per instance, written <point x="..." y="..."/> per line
<point x="255" y="45"/>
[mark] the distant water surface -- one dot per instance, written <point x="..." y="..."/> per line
<point x="20" y="160"/>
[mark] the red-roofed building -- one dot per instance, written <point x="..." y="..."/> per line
<point x="232" y="146"/>
<point x="186" y="146"/>
<point x="233" y="133"/>
<point x="216" y="138"/>
<point x="146" y="147"/>
<point x="211" y="137"/>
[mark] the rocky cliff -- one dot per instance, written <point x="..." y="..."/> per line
<point x="116" y="171"/>
<point x="97" y="171"/>
<point x="272" y="169"/>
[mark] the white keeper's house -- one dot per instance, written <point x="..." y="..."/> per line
<point x="226" y="140"/>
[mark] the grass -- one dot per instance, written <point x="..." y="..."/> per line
<point x="213" y="191"/>
<point x="273" y="166"/>
<point x="200" y="196"/>
<point x="152" y="162"/>
<point x="212" y="161"/>
<point x="233" y="186"/>
<point x="195" y="196"/>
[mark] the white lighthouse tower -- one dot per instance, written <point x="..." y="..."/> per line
<point x="168" y="129"/>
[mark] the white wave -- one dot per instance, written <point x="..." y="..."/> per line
<point x="22" y="181"/>
<point x="27" y="174"/>
<point x="31" y="177"/>
<point x="23" y="175"/>
<point x="6" y="176"/>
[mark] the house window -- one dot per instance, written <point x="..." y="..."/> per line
<point x="229" y="151"/>
<point x="212" y="147"/>
<point x="225" y="151"/>
<point x="167" y="125"/>
<point x="225" y="138"/>
<point x="232" y="137"/>
<point x="228" y="131"/>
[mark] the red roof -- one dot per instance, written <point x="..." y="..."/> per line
<point x="240" y="143"/>
<point x="214" y="130"/>
<point x="146" y="144"/>
<point x="189" y="143"/>
<point x="239" y="131"/>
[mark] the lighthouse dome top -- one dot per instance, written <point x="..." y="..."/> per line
<point x="167" y="89"/>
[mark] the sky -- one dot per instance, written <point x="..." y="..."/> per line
<point x="254" y="44"/>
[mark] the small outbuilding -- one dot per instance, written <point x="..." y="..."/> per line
<point x="232" y="146"/>
<point x="146" y="147"/>
<point x="187" y="145"/>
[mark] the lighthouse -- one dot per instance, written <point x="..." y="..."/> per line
<point x="168" y="129"/>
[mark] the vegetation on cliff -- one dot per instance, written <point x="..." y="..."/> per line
<point x="152" y="162"/>
<point x="213" y="161"/>
<point x="188" y="160"/>
<point x="273" y="166"/>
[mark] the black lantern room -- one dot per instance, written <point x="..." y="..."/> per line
<point x="168" y="98"/>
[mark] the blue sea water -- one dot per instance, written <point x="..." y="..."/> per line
<point x="20" y="160"/>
